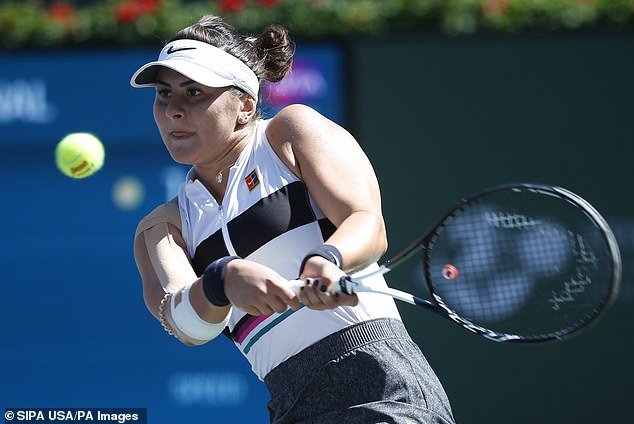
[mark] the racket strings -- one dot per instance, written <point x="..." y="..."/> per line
<point x="526" y="264"/>
<point x="485" y="256"/>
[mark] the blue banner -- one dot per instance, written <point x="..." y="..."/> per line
<point x="46" y="95"/>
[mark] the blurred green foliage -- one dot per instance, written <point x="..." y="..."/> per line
<point x="63" y="23"/>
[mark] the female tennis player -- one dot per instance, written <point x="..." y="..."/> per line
<point x="266" y="201"/>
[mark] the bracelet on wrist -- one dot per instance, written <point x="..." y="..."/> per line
<point x="161" y="313"/>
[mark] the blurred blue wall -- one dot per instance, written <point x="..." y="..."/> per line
<point x="76" y="330"/>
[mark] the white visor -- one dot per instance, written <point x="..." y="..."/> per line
<point x="203" y="63"/>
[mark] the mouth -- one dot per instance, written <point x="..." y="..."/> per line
<point x="180" y="134"/>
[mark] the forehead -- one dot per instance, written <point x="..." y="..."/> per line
<point x="171" y="77"/>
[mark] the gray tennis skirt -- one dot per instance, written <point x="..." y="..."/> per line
<point x="371" y="372"/>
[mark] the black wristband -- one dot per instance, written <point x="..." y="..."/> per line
<point x="214" y="281"/>
<point x="326" y="251"/>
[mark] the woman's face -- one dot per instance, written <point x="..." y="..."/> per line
<point x="196" y="122"/>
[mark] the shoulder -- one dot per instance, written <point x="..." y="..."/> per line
<point x="167" y="213"/>
<point x="298" y="124"/>
<point x="287" y="131"/>
<point x="293" y="120"/>
<point x="299" y="128"/>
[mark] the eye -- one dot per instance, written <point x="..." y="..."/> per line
<point x="193" y="92"/>
<point x="162" y="92"/>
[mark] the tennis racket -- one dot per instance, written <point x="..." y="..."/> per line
<point x="513" y="263"/>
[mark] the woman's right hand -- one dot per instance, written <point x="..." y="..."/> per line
<point x="257" y="289"/>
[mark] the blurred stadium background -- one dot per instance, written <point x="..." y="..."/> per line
<point x="446" y="97"/>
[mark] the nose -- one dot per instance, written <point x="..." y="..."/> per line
<point x="174" y="109"/>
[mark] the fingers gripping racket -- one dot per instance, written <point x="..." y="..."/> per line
<point x="513" y="263"/>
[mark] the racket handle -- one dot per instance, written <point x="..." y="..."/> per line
<point x="296" y="285"/>
<point x="347" y="285"/>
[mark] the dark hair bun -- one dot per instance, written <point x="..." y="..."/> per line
<point x="275" y="49"/>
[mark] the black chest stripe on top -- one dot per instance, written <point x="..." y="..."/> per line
<point x="327" y="228"/>
<point x="281" y="211"/>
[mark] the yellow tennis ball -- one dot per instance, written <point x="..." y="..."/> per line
<point x="79" y="155"/>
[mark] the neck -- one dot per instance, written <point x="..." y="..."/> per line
<point x="216" y="175"/>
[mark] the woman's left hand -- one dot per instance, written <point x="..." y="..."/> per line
<point x="318" y="294"/>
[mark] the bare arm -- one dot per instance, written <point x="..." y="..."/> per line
<point x="164" y="266"/>
<point x="342" y="181"/>
<point x="162" y="259"/>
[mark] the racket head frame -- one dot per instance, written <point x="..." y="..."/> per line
<point x="438" y="305"/>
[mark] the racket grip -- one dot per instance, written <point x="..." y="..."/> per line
<point x="345" y="284"/>
<point x="296" y="285"/>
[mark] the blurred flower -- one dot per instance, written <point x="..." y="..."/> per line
<point x="495" y="7"/>
<point x="149" y="6"/>
<point x="62" y="13"/>
<point x="230" y="6"/>
<point x="132" y="10"/>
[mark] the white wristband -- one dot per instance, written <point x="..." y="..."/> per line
<point x="189" y="323"/>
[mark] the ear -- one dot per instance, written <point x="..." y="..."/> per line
<point x="248" y="109"/>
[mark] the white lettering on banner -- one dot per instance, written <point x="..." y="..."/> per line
<point x="208" y="388"/>
<point x="25" y="101"/>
